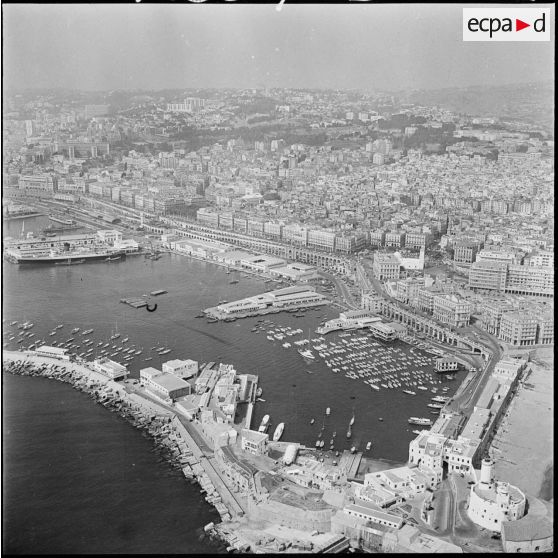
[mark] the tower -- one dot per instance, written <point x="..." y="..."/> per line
<point x="487" y="472"/>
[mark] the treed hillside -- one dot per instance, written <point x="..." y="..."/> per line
<point x="526" y="102"/>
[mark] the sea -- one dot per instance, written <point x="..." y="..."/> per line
<point x="79" y="479"/>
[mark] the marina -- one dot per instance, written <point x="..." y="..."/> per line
<point x="381" y="412"/>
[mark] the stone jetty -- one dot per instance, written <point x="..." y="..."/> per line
<point x="156" y="422"/>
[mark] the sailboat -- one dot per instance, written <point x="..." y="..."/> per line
<point x="115" y="335"/>
<point x="352" y="421"/>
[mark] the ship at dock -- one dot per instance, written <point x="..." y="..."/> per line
<point x="420" y="421"/>
<point x="67" y="258"/>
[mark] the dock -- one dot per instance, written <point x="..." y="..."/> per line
<point x="134" y="302"/>
<point x="350" y="462"/>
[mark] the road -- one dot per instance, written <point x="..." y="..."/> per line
<point x="342" y="290"/>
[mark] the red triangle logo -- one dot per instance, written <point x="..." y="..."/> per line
<point x="519" y="25"/>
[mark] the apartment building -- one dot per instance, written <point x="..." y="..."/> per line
<point x="519" y="328"/>
<point x="385" y="266"/>
<point x="532" y="280"/>
<point x="323" y="240"/>
<point x="394" y="239"/>
<point x="452" y="310"/>
<point x="464" y="252"/>
<point x="415" y="240"/>
<point x="488" y="275"/>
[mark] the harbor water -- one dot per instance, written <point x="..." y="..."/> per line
<point x="295" y="390"/>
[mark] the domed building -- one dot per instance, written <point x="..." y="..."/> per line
<point x="491" y="502"/>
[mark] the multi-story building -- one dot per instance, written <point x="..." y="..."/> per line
<point x="544" y="258"/>
<point x="182" y="368"/>
<point x="323" y="240"/>
<point x="487" y="255"/>
<point x="352" y="242"/>
<point x="377" y="238"/>
<point x="532" y="280"/>
<point x="492" y="315"/>
<point x="452" y="310"/>
<point x="394" y="239"/>
<point x="407" y="289"/>
<point x="385" y="266"/>
<point x="425" y="299"/>
<point x="545" y="333"/>
<point x="297" y="235"/>
<point x="488" y="275"/>
<point x="464" y="252"/>
<point x="42" y="183"/>
<point x="415" y="240"/>
<point x="254" y="442"/>
<point x="519" y="328"/>
<point x="273" y="230"/>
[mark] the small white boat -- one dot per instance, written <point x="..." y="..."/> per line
<point x="368" y="446"/>
<point x="278" y="431"/>
<point x="328" y="411"/>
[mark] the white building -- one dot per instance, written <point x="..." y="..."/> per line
<point x="492" y="502"/>
<point x="113" y="370"/>
<point x="52" y="352"/>
<point x="181" y="368"/>
<point x="111" y="236"/>
<point x="253" y="441"/>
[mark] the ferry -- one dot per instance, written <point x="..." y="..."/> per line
<point x="264" y="424"/>
<point x="408" y="391"/>
<point x="420" y="421"/>
<point x="279" y="432"/>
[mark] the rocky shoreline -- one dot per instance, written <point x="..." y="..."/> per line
<point x="168" y="443"/>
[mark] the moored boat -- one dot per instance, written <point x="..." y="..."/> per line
<point x="278" y="431"/>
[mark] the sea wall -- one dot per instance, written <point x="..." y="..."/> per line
<point x="170" y="439"/>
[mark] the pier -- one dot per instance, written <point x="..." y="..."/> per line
<point x="134" y="302"/>
<point x="350" y="462"/>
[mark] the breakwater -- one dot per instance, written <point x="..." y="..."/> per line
<point x="156" y="423"/>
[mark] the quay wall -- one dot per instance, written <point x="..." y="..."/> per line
<point x="291" y="516"/>
<point x="219" y="315"/>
